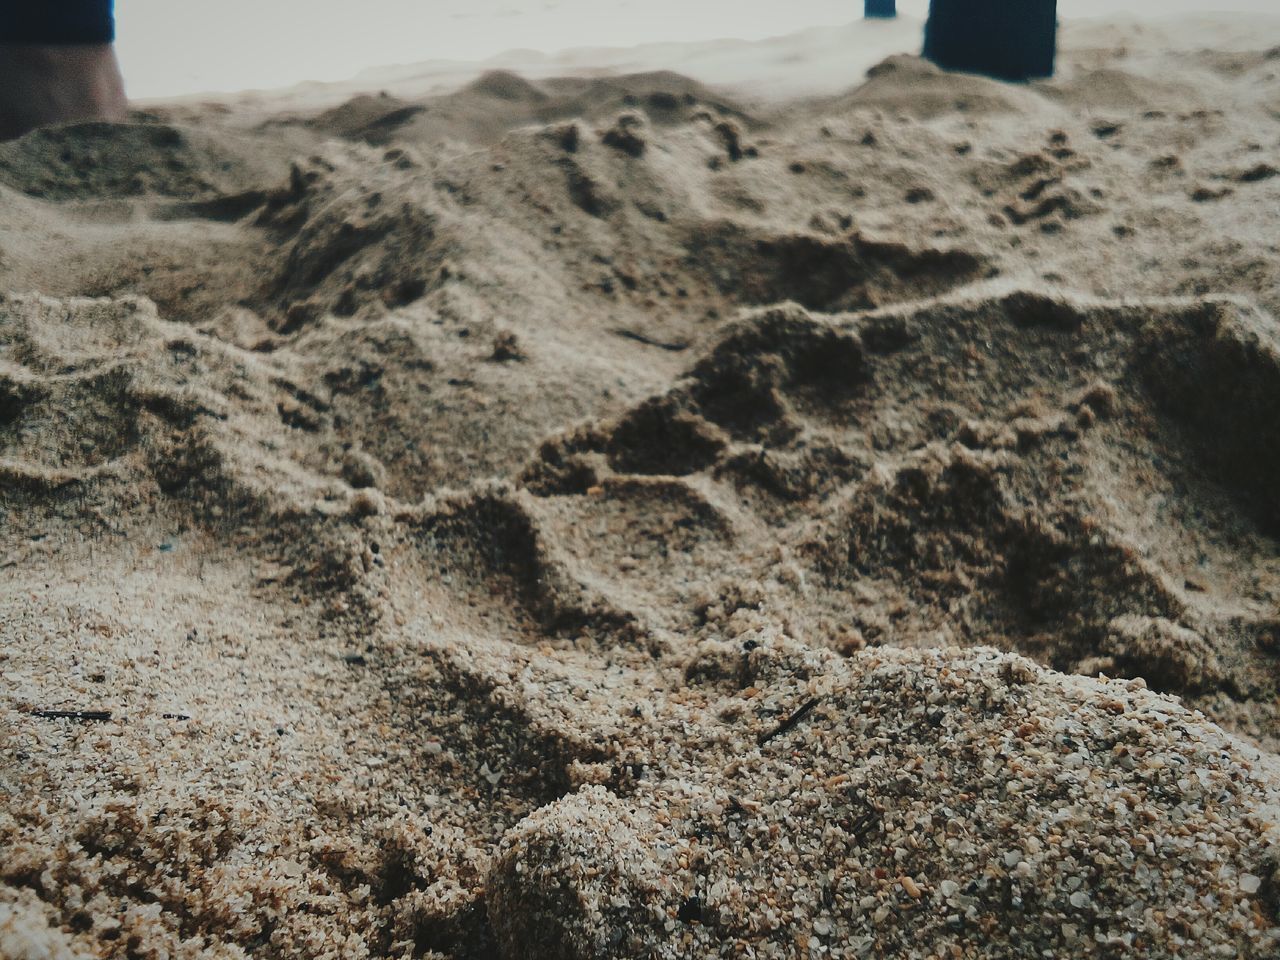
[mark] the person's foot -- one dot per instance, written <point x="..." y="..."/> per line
<point x="46" y="85"/>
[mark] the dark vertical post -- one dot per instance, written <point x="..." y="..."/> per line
<point x="1006" y="39"/>
<point x="881" y="9"/>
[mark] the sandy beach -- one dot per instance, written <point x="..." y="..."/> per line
<point x="676" y="502"/>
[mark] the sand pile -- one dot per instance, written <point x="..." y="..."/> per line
<point x="598" y="518"/>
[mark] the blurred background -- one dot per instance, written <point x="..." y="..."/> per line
<point x="174" y="47"/>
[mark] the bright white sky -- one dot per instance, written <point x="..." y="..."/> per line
<point x="172" y="47"/>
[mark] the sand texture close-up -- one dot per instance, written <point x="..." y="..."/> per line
<point x="627" y="517"/>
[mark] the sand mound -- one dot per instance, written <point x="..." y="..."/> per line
<point x="499" y="101"/>
<point x="909" y="85"/>
<point x="822" y="272"/>
<point x="97" y="161"/>
<point x="917" y="467"/>
<point x="504" y="85"/>
<point x="889" y="805"/>
<point x="364" y="117"/>
<point x="584" y="518"/>
<point x="1110" y="89"/>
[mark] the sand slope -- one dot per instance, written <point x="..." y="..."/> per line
<point x="602" y="517"/>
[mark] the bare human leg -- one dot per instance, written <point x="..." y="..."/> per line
<point x="41" y="85"/>
<point x="57" y="64"/>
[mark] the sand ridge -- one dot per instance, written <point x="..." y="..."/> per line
<point x="603" y="518"/>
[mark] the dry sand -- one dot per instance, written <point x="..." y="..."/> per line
<point x="597" y="518"/>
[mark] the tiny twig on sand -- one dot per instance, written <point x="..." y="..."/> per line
<point x="675" y="346"/>
<point x="789" y="722"/>
<point x="84" y="716"/>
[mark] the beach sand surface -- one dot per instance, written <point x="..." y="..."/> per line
<point x="671" y="505"/>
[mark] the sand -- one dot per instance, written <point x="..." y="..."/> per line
<point x="625" y="517"/>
